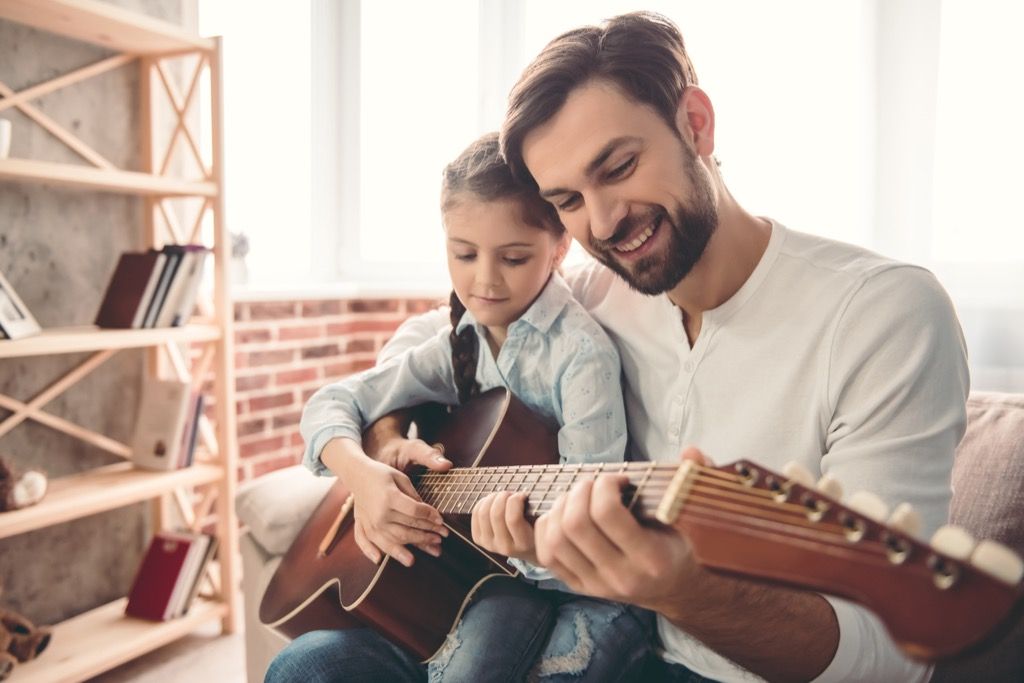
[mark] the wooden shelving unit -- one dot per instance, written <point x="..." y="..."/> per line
<point x="103" y="638"/>
<point x="89" y="338"/>
<point x="106" y="180"/>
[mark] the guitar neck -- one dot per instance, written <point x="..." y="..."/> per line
<point x="456" y="492"/>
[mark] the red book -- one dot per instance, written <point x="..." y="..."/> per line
<point x="150" y="597"/>
<point x="130" y="289"/>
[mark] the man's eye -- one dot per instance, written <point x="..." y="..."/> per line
<point x="622" y="169"/>
<point x="568" y="204"/>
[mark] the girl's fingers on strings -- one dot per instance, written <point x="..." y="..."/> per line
<point x="372" y="553"/>
<point x="422" y="453"/>
<point x="433" y="549"/>
<point x="405" y="486"/>
<point x="419" y="515"/>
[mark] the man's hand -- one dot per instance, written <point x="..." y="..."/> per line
<point x="499" y="525"/>
<point x="389" y="514"/>
<point x="597" y="547"/>
<point x="592" y="543"/>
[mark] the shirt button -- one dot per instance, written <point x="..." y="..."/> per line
<point x="688" y="366"/>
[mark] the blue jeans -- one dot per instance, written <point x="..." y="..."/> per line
<point x="511" y="631"/>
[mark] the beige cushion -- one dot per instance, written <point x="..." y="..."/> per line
<point x="276" y="505"/>
<point x="988" y="501"/>
<point x="988" y="474"/>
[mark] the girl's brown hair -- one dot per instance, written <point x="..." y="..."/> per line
<point x="481" y="173"/>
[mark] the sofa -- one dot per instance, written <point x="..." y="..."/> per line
<point x="988" y="501"/>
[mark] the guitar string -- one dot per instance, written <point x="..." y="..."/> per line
<point x="793" y="515"/>
<point x="830" y="535"/>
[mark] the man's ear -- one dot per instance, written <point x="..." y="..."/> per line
<point x="695" y="120"/>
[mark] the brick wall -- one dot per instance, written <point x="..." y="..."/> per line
<point x="286" y="350"/>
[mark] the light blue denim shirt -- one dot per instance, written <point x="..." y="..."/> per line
<point x="556" y="359"/>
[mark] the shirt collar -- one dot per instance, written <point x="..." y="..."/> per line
<point x="541" y="314"/>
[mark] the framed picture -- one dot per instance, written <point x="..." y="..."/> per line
<point x="15" y="320"/>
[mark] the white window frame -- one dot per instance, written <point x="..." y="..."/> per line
<point x="336" y="228"/>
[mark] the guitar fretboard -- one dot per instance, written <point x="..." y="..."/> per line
<point x="458" y="490"/>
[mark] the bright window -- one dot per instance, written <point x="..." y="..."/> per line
<point x="893" y="125"/>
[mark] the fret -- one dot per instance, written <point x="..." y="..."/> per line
<point x="472" y="491"/>
<point x="458" y="490"/>
<point x="445" y="498"/>
<point x="640" y="488"/>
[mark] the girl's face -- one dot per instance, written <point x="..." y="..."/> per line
<point x="498" y="263"/>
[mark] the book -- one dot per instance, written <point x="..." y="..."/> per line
<point x="191" y="432"/>
<point x="158" y="575"/>
<point x="196" y="552"/>
<point x="211" y="550"/>
<point x="173" y="255"/>
<point x="186" y="305"/>
<point x="130" y="289"/>
<point x="189" y="268"/>
<point x="159" y="427"/>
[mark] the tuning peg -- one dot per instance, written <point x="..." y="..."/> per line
<point x="999" y="561"/>
<point x="953" y="541"/>
<point x="830" y="487"/>
<point x="869" y="505"/>
<point x="796" y="472"/>
<point x="906" y="519"/>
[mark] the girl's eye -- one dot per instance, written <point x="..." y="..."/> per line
<point x="516" y="261"/>
<point x="465" y="257"/>
<point x="621" y="170"/>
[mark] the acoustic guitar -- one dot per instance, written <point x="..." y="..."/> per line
<point x="935" y="599"/>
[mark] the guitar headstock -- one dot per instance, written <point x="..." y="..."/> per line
<point x="935" y="598"/>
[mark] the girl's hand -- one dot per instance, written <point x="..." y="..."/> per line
<point x="388" y="512"/>
<point x="390" y="515"/>
<point x="499" y="525"/>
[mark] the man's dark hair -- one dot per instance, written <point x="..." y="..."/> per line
<point x="642" y="53"/>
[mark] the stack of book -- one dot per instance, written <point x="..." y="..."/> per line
<point x="153" y="288"/>
<point x="167" y="425"/>
<point x="168" y="578"/>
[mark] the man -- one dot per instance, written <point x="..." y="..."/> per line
<point x="737" y="336"/>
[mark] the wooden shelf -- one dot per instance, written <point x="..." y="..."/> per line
<point x="102" y="24"/>
<point x="99" y="490"/>
<point x="92" y="338"/>
<point x="92" y="178"/>
<point x="103" y="638"/>
<point x="99" y="640"/>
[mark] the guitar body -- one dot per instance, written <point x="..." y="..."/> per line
<point x="414" y="607"/>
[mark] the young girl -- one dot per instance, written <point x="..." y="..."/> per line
<point x="515" y="325"/>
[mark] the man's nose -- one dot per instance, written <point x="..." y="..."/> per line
<point x="606" y="212"/>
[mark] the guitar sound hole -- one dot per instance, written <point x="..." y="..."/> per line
<point x="853" y="527"/>
<point x="944" y="573"/>
<point x="896" y="549"/>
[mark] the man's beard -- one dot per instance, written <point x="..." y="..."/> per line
<point x="690" y="228"/>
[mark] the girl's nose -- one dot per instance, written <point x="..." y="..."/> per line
<point x="487" y="274"/>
